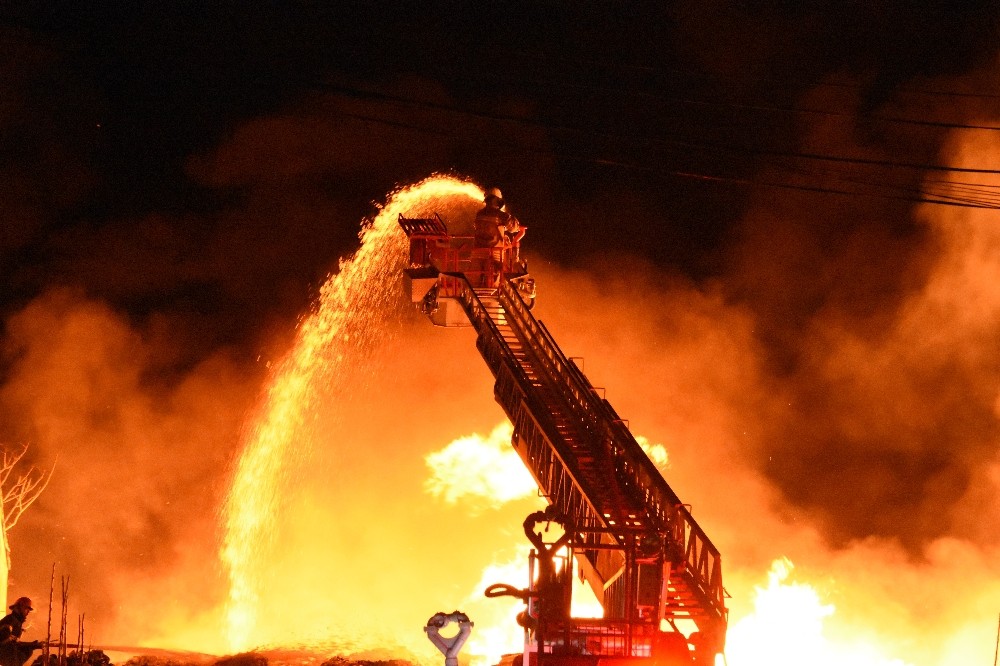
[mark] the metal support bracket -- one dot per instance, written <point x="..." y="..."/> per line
<point x="449" y="646"/>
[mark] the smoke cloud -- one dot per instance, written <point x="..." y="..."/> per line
<point x="137" y="457"/>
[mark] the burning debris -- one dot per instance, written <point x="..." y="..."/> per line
<point x="256" y="658"/>
<point x="76" y="658"/>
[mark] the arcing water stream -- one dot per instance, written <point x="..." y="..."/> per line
<point x="347" y="318"/>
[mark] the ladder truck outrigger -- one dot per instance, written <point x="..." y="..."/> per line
<point x="656" y="574"/>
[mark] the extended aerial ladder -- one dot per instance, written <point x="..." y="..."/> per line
<point x="656" y="574"/>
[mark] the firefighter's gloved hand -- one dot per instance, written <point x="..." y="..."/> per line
<point x="34" y="645"/>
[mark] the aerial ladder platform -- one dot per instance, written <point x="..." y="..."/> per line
<point x="655" y="572"/>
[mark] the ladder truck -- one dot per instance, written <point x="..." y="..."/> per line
<point x="623" y="530"/>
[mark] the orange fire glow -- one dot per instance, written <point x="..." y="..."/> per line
<point x="389" y="526"/>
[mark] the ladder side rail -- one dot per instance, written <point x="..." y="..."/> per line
<point x="494" y="350"/>
<point x="554" y="470"/>
<point x="591" y="409"/>
<point x="699" y="565"/>
<point x="559" y="487"/>
<point x="520" y="398"/>
<point x="515" y="389"/>
<point x="548" y="464"/>
<point x="701" y="556"/>
<point x="649" y="478"/>
<point x="554" y="363"/>
<point x="703" y="562"/>
<point x="603" y="413"/>
<point x="497" y="354"/>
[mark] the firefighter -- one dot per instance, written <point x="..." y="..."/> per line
<point x="14" y="651"/>
<point x="491" y="221"/>
<point x="497" y="229"/>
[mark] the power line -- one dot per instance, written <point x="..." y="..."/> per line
<point x="710" y="77"/>
<point x="986" y="198"/>
<point x="915" y="197"/>
<point x="736" y="105"/>
<point x="837" y="114"/>
<point x="763" y="182"/>
<point x="686" y="145"/>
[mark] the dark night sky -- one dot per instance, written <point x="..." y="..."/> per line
<point x="109" y="105"/>
<point x="200" y="167"/>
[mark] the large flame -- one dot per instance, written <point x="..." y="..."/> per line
<point x="786" y="628"/>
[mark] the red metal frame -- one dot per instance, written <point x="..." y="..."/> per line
<point x="457" y="256"/>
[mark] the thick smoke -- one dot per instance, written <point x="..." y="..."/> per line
<point x="136" y="462"/>
<point x="685" y="367"/>
<point x="875" y="331"/>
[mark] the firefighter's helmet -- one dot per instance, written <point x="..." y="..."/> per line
<point x="23" y="603"/>
<point x="495" y="193"/>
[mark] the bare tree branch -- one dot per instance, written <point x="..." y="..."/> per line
<point x="19" y="495"/>
<point x="8" y="459"/>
